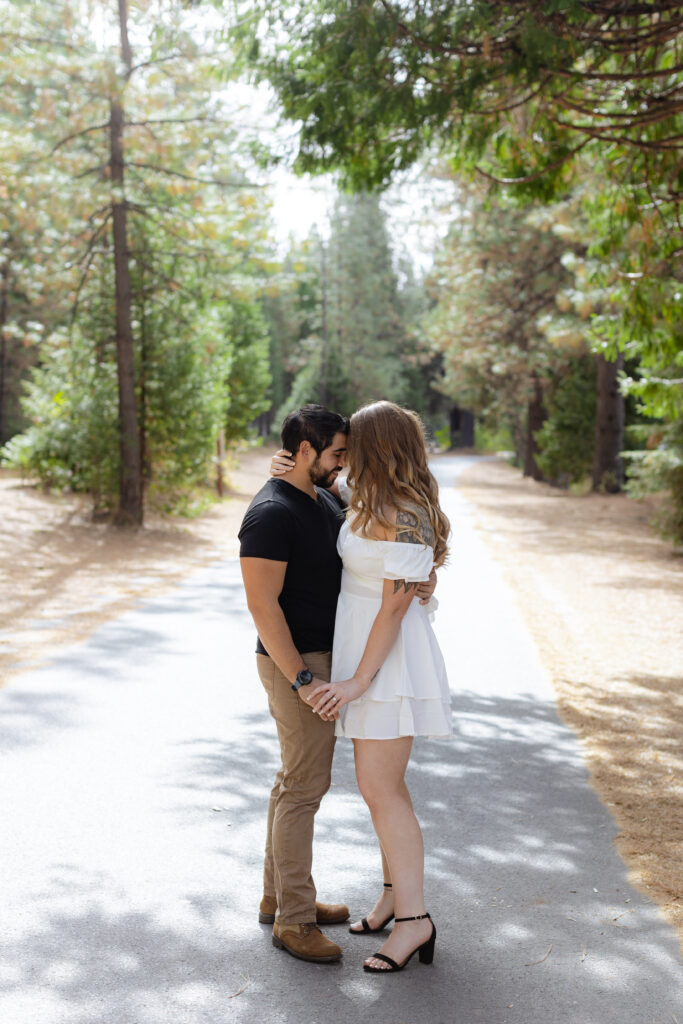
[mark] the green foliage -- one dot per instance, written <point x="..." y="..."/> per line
<point x="660" y="470"/>
<point x="566" y="437"/>
<point x="364" y="332"/>
<point x="495" y="276"/>
<point x="291" y="304"/>
<point x="514" y="92"/>
<point x="493" y="440"/>
<point x="442" y="436"/>
<point x="248" y="376"/>
<point x="71" y="404"/>
<point x="188" y="380"/>
<point x="185" y="408"/>
<point x="305" y="388"/>
<point x="198" y="374"/>
<point x="195" y="244"/>
<point x="374" y="84"/>
<point x="635" y="262"/>
<point x="343" y="326"/>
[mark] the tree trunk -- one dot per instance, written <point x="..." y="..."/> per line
<point x="4" y="360"/>
<point x="454" y="425"/>
<point x="145" y="465"/>
<point x="461" y="422"/>
<point x="130" y="476"/>
<point x="608" y="466"/>
<point x="263" y="423"/>
<point x="323" y="330"/>
<point x="466" y="428"/>
<point x="536" y="417"/>
<point x="220" y="457"/>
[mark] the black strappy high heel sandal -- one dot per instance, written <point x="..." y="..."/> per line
<point x="425" y="951"/>
<point x="366" y="929"/>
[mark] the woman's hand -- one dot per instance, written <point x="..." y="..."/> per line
<point x="425" y="590"/>
<point x="281" y="463"/>
<point x="328" y="699"/>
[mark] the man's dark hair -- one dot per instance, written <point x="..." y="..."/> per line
<point x="312" y="423"/>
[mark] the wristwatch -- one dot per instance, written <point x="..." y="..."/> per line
<point x="303" y="678"/>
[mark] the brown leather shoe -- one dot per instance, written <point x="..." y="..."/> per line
<point x="325" y="913"/>
<point x="306" y="942"/>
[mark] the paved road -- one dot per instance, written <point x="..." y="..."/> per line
<point x="134" y="780"/>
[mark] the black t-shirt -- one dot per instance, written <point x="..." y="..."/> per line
<point x="285" y="524"/>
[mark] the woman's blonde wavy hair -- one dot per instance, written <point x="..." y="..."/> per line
<point x="388" y="470"/>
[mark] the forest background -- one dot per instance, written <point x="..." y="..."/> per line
<point x="149" y="318"/>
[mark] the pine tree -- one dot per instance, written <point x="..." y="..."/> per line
<point x="142" y="214"/>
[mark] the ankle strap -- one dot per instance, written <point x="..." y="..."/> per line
<point x="387" y="885"/>
<point x="420" y="917"/>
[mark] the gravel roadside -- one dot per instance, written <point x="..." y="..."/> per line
<point x="603" y="598"/>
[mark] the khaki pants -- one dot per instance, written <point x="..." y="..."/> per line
<point x="307" y="746"/>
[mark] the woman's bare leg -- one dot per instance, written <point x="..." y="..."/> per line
<point x="380" y="771"/>
<point x="384" y="907"/>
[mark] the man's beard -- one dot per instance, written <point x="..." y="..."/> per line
<point x="320" y="477"/>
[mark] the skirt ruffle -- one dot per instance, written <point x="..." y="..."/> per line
<point x="385" y="720"/>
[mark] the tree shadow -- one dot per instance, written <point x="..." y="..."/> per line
<point x="27" y="716"/>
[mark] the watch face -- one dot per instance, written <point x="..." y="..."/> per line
<point x="305" y="676"/>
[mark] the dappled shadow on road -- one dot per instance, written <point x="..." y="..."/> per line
<point x="536" y="921"/>
<point x="102" y="963"/>
<point x="26" y="716"/>
<point x="520" y="858"/>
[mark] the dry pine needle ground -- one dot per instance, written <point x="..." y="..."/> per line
<point x="603" y="598"/>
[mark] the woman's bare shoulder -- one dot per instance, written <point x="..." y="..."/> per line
<point x="375" y="529"/>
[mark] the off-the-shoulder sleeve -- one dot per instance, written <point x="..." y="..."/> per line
<point x="344" y="490"/>
<point x="410" y="562"/>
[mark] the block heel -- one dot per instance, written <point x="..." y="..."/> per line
<point x="425" y="951"/>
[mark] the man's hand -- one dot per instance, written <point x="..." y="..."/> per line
<point x="281" y="463"/>
<point x="426" y="589"/>
<point x="327" y="699"/>
<point x="306" y="692"/>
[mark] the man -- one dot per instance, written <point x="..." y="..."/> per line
<point x="292" y="574"/>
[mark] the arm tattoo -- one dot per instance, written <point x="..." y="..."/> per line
<point x="414" y="527"/>
<point x="406" y="586"/>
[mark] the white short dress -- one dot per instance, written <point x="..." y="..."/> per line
<point x="409" y="696"/>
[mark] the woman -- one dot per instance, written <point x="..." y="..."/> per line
<point x="393" y="683"/>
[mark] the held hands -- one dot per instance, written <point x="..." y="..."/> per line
<point x="306" y="692"/>
<point x="426" y="589"/>
<point x="281" y="463"/>
<point x="326" y="700"/>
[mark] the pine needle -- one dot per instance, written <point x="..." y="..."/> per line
<point x="544" y="957"/>
<point x="239" y="991"/>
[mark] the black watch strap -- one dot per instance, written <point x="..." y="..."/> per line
<point x="303" y="678"/>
